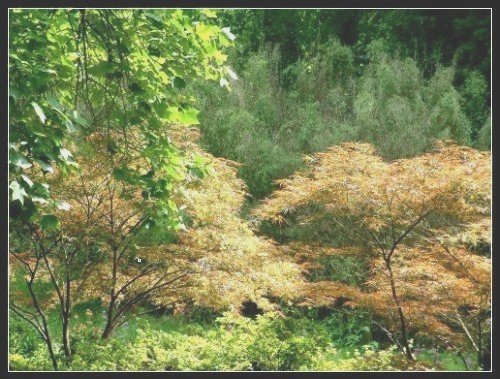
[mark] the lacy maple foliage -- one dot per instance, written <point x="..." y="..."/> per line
<point x="216" y="261"/>
<point x="416" y="221"/>
<point x="234" y="265"/>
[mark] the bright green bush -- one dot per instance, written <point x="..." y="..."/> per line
<point x="268" y="342"/>
<point x="367" y="358"/>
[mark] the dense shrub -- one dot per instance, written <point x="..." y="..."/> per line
<point x="474" y="96"/>
<point x="484" y="138"/>
<point x="367" y="358"/>
<point x="328" y="99"/>
<point x="268" y="342"/>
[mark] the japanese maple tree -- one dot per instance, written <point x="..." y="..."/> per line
<point x="396" y="216"/>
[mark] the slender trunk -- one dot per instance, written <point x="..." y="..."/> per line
<point x="401" y="316"/>
<point x="48" y="340"/>
<point x="66" y="339"/>
<point x="108" y="329"/>
<point x="459" y="353"/>
<point x="112" y="302"/>
<point x="486" y="357"/>
<point x="65" y="322"/>
<point x="51" y="353"/>
<point x="46" y="333"/>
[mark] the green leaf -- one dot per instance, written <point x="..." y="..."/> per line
<point x="157" y="20"/>
<point x="172" y="205"/>
<point x="205" y="32"/>
<point x="49" y="222"/>
<point x="19" y="160"/>
<point x="41" y="200"/>
<point x="174" y="173"/>
<point x="48" y="70"/>
<point x="69" y="125"/>
<point x="79" y="119"/>
<point x="102" y="68"/>
<point x="39" y="112"/>
<point x="65" y="153"/>
<point x="27" y="180"/>
<point x="173" y="114"/>
<point x="179" y="83"/>
<point x="209" y="13"/>
<point x="54" y="103"/>
<point x="18" y="192"/>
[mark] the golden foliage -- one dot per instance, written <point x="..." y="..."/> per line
<point x="234" y="264"/>
<point x="412" y="219"/>
<point x="224" y="262"/>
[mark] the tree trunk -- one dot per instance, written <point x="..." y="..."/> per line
<point x="51" y="352"/>
<point x="401" y="316"/>
<point x="486" y="358"/>
<point x="46" y="333"/>
<point x="65" y="323"/>
<point x="108" y="329"/>
<point x="66" y="339"/>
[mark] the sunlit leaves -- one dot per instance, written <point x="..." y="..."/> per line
<point x="81" y="71"/>
<point x="232" y="264"/>
<point x="187" y="116"/>
<point x="27" y="180"/>
<point x="39" y="112"/>
<point x="18" y="193"/>
<point x="39" y="116"/>
<point x="227" y="32"/>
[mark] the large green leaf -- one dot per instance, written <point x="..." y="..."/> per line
<point x="49" y="222"/>
<point x="18" y="192"/>
<point x="19" y="160"/>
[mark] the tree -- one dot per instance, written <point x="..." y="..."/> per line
<point x="395" y="214"/>
<point x="94" y="238"/>
<point x="114" y="215"/>
<point x="106" y="246"/>
<point x="233" y="265"/>
<point x="85" y="71"/>
<point x="118" y="75"/>
<point x="28" y="257"/>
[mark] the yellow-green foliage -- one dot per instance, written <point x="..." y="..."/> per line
<point x="366" y="358"/>
<point x="235" y="343"/>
